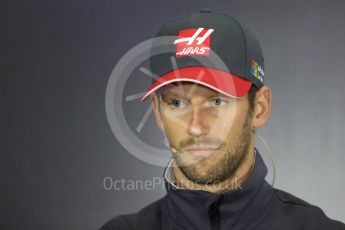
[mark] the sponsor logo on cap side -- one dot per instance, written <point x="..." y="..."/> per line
<point x="193" y="42"/>
<point x="257" y="71"/>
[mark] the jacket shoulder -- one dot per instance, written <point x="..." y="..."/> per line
<point x="148" y="218"/>
<point x="306" y="214"/>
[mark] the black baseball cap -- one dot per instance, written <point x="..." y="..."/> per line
<point x="199" y="38"/>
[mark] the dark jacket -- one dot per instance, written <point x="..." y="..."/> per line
<point x="256" y="205"/>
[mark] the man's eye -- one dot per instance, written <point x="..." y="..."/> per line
<point x="218" y="102"/>
<point x="177" y="104"/>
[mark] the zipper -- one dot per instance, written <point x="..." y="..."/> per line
<point x="214" y="213"/>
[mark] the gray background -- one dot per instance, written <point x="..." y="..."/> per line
<point x="57" y="147"/>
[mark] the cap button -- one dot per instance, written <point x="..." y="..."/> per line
<point x="205" y="10"/>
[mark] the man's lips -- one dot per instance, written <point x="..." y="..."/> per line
<point x="200" y="151"/>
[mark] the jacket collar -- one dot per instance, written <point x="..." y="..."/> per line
<point x="240" y="207"/>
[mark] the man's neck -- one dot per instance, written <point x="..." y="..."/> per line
<point x="232" y="183"/>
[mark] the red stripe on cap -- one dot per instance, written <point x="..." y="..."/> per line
<point x="219" y="80"/>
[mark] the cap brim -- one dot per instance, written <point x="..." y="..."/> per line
<point x="218" y="80"/>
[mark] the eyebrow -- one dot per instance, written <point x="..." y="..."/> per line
<point x="173" y="94"/>
<point x="180" y="95"/>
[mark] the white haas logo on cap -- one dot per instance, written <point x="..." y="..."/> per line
<point x="193" y="42"/>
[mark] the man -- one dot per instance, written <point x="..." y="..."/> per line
<point x="208" y="101"/>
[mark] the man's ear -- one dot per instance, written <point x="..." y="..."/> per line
<point x="154" y="101"/>
<point x="262" y="106"/>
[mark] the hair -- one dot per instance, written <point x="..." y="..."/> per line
<point x="251" y="98"/>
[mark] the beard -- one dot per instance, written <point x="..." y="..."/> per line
<point x="221" y="164"/>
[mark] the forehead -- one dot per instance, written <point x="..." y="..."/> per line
<point x="190" y="88"/>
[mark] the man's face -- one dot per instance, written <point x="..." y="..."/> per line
<point x="211" y="132"/>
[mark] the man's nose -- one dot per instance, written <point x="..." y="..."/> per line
<point x="198" y="125"/>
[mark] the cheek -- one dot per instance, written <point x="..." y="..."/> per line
<point x="176" y="128"/>
<point x="224" y="123"/>
<point x="229" y="124"/>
